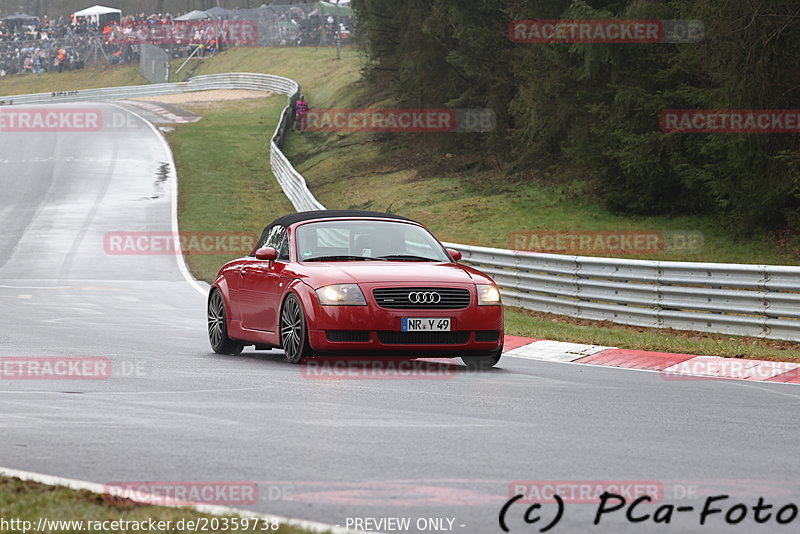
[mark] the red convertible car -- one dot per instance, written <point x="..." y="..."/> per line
<point x="355" y="282"/>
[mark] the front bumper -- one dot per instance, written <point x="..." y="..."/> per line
<point x="371" y="329"/>
<point x="320" y="341"/>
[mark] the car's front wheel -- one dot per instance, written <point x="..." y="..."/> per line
<point x="481" y="363"/>
<point x="294" y="334"/>
<point x="218" y="327"/>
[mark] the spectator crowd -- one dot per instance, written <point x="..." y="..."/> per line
<point x="296" y="25"/>
<point x="46" y="45"/>
<point x="67" y="43"/>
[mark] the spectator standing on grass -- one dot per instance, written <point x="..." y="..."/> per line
<point x="301" y="110"/>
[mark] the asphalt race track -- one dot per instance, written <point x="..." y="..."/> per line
<point x="324" y="450"/>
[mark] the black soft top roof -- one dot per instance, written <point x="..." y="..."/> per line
<point x="300" y="216"/>
<point x="288" y="220"/>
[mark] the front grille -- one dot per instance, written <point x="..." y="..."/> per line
<point x="423" y="338"/>
<point x="487" y="335"/>
<point x="347" y="336"/>
<point x="429" y="298"/>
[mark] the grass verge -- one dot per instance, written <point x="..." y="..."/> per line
<point x="29" y="501"/>
<point x="323" y="79"/>
<point x="225" y="180"/>
<point x="539" y="325"/>
<point x="72" y="80"/>
<point x="464" y="203"/>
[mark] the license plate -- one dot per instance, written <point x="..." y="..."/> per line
<point x="425" y="324"/>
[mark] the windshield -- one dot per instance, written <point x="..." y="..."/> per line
<point x="348" y="240"/>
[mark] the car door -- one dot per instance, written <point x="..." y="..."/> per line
<point x="261" y="285"/>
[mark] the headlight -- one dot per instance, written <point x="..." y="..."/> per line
<point x="341" y="295"/>
<point x="488" y="295"/>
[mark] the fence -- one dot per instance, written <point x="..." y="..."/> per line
<point x="295" y="25"/>
<point x="754" y="300"/>
<point x="282" y="25"/>
<point x="154" y="63"/>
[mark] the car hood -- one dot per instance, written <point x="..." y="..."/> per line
<point x="369" y="272"/>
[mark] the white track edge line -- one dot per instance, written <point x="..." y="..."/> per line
<point x="201" y="508"/>
<point x="173" y="173"/>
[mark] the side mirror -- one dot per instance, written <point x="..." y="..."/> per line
<point x="267" y="254"/>
<point x="455" y="254"/>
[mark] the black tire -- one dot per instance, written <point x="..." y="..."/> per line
<point x="218" y="327"/>
<point x="482" y="363"/>
<point x="294" y="334"/>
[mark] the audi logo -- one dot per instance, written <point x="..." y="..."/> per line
<point x="424" y="297"/>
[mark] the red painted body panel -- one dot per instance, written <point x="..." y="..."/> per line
<point x="254" y="291"/>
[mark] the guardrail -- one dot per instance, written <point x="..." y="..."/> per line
<point x="752" y="300"/>
<point x="238" y="80"/>
<point x="292" y="183"/>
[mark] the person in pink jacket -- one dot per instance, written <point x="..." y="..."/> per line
<point x="301" y="110"/>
